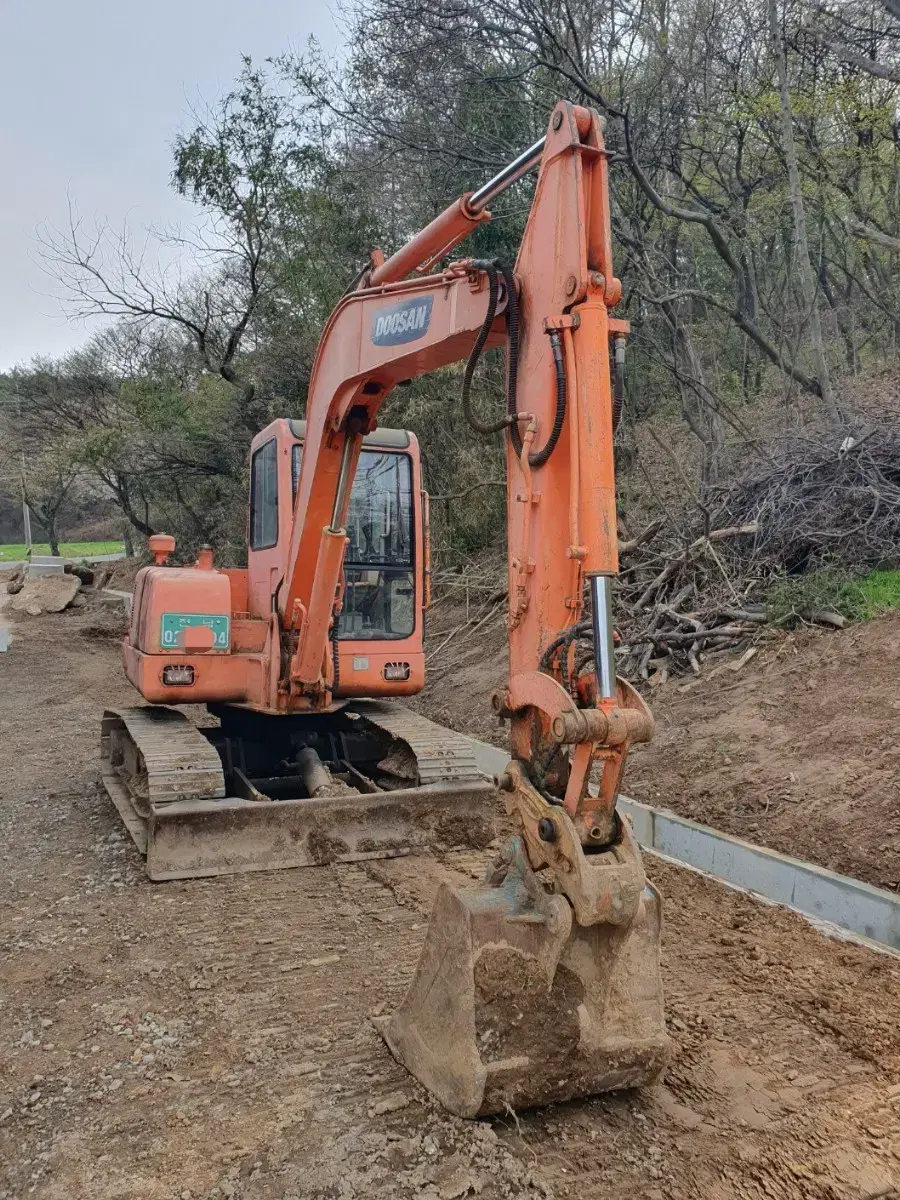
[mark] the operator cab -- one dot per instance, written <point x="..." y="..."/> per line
<point x="380" y="625"/>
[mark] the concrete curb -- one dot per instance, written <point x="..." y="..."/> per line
<point x="831" y="902"/>
<point x="870" y="912"/>
<point x="117" y="596"/>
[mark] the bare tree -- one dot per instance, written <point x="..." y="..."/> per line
<point x="234" y="166"/>
<point x="49" y="477"/>
<point x="808" y="282"/>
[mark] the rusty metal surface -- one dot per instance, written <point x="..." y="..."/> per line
<point x="515" y="1005"/>
<point x="442" y="756"/>
<point x="602" y="887"/>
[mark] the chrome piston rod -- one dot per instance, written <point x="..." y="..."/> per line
<point x="602" y="620"/>
<point x="527" y="161"/>
<point x="344" y="483"/>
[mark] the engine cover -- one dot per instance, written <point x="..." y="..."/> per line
<point x="181" y="610"/>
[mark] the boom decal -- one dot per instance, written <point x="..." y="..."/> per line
<point x="404" y="322"/>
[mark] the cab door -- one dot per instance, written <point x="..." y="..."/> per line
<point x="269" y="531"/>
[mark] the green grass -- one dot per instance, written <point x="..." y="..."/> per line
<point x="12" y="552"/>
<point x="879" y="591"/>
<point x="858" y="599"/>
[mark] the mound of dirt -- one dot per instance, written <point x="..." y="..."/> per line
<point x="122" y="572"/>
<point x="463" y="665"/>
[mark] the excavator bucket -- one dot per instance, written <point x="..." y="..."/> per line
<point x="514" y="1005"/>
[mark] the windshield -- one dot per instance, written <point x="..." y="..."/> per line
<point x="379" y="587"/>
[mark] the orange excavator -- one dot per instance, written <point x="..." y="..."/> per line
<point x="543" y="983"/>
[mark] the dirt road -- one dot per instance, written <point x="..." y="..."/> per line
<point x="212" y="1038"/>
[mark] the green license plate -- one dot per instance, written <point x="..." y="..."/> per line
<point x="174" y="623"/>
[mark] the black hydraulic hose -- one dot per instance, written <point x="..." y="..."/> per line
<point x="335" y="657"/>
<point x="539" y="457"/>
<point x="512" y="343"/>
<point x="536" y="775"/>
<point x="472" y="417"/>
<point x="536" y="458"/>
<point x="566" y="638"/>
<point x="618" y="382"/>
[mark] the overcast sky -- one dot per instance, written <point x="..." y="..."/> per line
<point x="91" y="94"/>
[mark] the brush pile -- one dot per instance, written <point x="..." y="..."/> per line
<point x="681" y="604"/>
<point x="807" y="502"/>
<point x="820" y="500"/>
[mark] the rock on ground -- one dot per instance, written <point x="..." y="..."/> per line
<point x="46" y="593"/>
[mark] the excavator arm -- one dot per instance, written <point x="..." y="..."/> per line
<point x="553" y="316"/>
<point x="537" y="988"/>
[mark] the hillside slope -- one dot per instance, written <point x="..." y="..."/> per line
<point x="797" y="751"/>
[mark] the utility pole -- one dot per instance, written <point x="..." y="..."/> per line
<point x="26" y="511"/>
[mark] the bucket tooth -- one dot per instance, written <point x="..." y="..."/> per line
<point x="513" y="1006"/>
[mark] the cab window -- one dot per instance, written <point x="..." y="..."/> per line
<point x="379" y="583"/>
<point x="264" y="497"/>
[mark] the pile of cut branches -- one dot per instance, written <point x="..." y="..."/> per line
<point x="819" y="499"/>
<point x="679" y="601"/>
<point x="692" y="587"/>
<point x="806" y="502"/>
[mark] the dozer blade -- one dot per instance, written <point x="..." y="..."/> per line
<point x="166" y="779"/>
<point x="514" y="1006"/>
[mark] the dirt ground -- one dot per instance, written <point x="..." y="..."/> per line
<point x="212" y="1038"/>
<point x="798" y="750"/>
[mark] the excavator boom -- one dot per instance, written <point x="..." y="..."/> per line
<point x="536" y="988"/>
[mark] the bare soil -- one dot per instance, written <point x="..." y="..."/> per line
<point x="212" y="1038"/>
<point x="798" y="750"/>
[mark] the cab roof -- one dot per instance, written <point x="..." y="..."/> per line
<point x="381" y="439"/>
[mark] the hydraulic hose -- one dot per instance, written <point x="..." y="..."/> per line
<point x="565" y="639"/>
<point x="536" y="774"/>
<point x="618" y="382"/>
<point x="335" y="658"/>
<point x="479" y="425"/>
<point x="537" y="458"/>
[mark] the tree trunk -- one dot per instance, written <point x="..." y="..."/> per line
<point x="46" y="515"/>
<point x="697" y="404"/>
<point x="845" y="328"/>
<point x="805" y="271"/>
